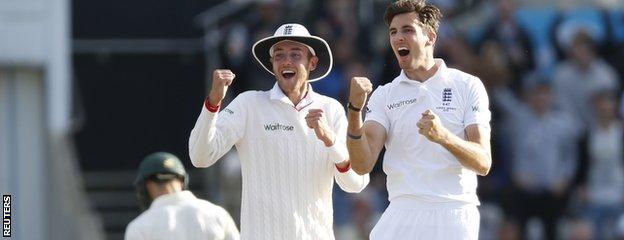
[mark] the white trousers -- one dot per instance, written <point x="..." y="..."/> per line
<point x="410" y="219"/>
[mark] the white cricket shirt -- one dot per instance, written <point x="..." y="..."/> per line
<point x="182" y="216"/>
<point x="415" y="166"/>
<point x="288" y="173"/>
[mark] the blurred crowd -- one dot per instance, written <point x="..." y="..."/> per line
<point x="554" y="77"/>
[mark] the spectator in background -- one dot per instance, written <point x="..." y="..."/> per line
<point x="493" y="70"/>
<point x="447" y="6"/>
<point x="517" y="49"/>
<point x="602" y="187"/>
<point x="580" y="229"/>
<point x="335" y="84"/>
<point x="570" y="20"/>
<point x="619" y="231"/>
<point x="251" y="25"/>
<point x="459" y="54"/>
<point x="360" y="215"/>
<point x="171" y="211"/>
<point x="543" y="161"/>
<point x="580" y="76"/>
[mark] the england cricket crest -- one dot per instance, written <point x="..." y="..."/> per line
<point x="447" y="99"/>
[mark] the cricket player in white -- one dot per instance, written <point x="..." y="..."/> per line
<point x="291" y="140"/>
<point x="434" y="122"/>
<point x="172" y="211"/>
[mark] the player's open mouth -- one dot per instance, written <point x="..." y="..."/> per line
<point x="288" y="74"/>
<point x="403" y="51"/>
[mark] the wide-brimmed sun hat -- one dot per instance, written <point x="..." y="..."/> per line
<point x="298" y="33"/>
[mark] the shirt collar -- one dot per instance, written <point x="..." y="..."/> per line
<point x="278" y="95"/>
<point x="171" y="198"/>
<point x="438" y="74"/>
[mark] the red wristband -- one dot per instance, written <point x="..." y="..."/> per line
<point x="211" y="108"/>
<point x="345" y="169"/>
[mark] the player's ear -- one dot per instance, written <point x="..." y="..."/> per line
<point x="432" y="37"/>
<point x="313" y="63"/>
<point x="150" y="187"/>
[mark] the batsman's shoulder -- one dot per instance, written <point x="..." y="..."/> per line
<point x="210" y="209"/>
<point x="139" y="223"/>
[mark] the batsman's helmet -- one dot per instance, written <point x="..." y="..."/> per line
<point x="159" y="166"/>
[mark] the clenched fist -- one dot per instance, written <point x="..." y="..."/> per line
<point x="430" y="126"/>
<point x="317" y="121"/>
<point x="359" y="90"/>
<point x="221" y="79"/>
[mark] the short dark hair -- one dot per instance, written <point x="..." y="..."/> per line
<point x="428" y="14"/>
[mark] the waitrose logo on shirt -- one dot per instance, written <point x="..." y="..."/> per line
<point x="278" y="127"/>
<point x="401" y="103"/>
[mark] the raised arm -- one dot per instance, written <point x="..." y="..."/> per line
<point x="333" y="135"/>
<point x="364" y="140"/>
<point x="215" y="133"/>
<point x="473" y="153"/>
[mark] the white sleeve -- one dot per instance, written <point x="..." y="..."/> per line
<point x="214" y="134"/>
<point x="229" y="227"/>
<point x="477" y="109"/>
<point x="375" y="109"/>
<point x="338" y="152"/>
<point x="132" y="233"/>
<point x="349" y="181"/>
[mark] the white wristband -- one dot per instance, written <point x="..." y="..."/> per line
<point x="338" y="153"/>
